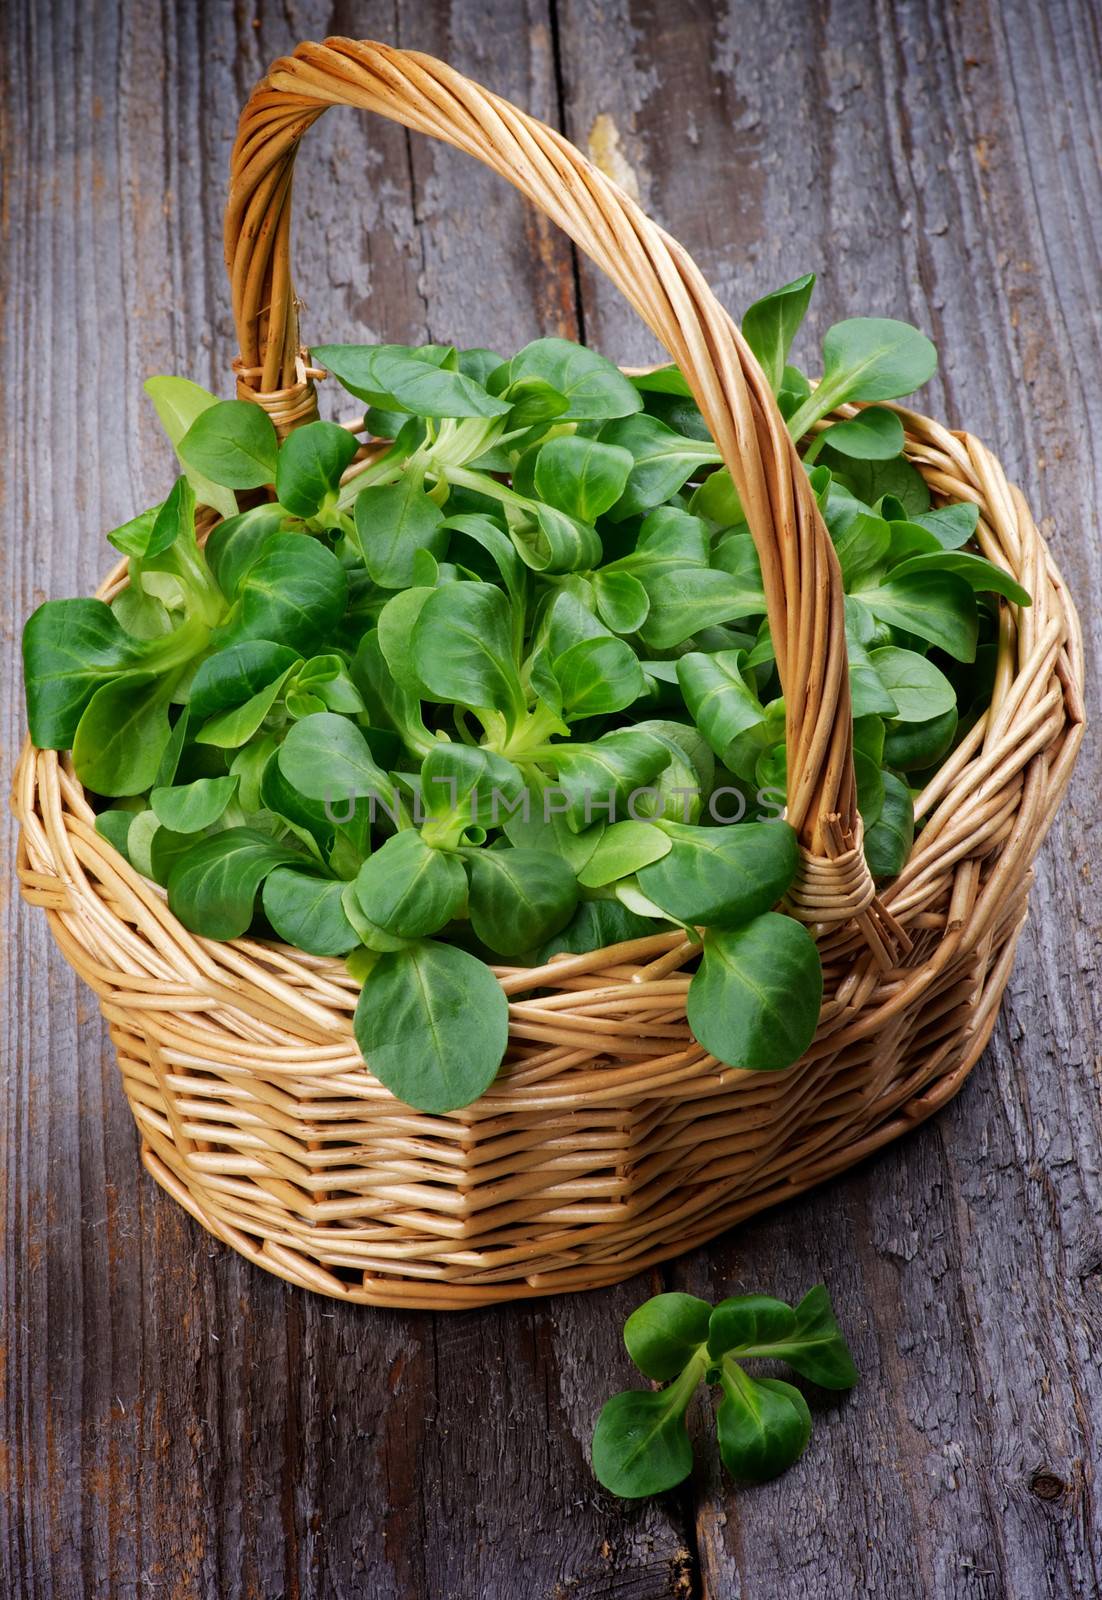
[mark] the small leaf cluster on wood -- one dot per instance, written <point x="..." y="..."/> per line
<point x="641" y="1445"/>
<point x="386" y="711"/>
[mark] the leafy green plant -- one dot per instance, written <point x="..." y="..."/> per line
<point x="641" y="1444"/>
<point x="481" y="677"/>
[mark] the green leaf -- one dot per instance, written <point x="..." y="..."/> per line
<point x="233" y="443"/>
<point x="122" y="734"/>
<point x="155" y="530"/>
<point x="763" y="1425"/>
<point x="861" y="626"/>
<point x="175" y="520"/>
<point x="540" y="823"/>
<point x="593" y="388"/>
<point x="70" y="647"/>
<point x="622" y="601"/>
<point x="938" y="606"/>
<point x="870" y="786"/>
<point x="622" y="849"/>
<point x="663" y="461"/>
<point x="816" y="1348"/>
<point x="717" y="500"/>
<point x="668" y="537"/>
<point x="174" y="749"/>
<point x="597" y="778"/>
<point x="861" y="539"/>
<point x="392" y="524"/>
<point x="594" y="926"/>
<point x="145" y="833"/>
<point x="395" y="631"/>
<point x="720" y="701"/>
<point x="664" y="1333"/>
<point x="142" y="615"/>
<point x="909" y="539"/>
<point x="754" y="1002"/>
<point x="232" y="676"/>
<point x="212" y="888"/>
<point x="735" y="553"/>
<point x="519" y="898"/>
<point x="920" y="691"/>
<point x="327" y="677"/>
<point x="531" y="402"/>
<point x="390" y="701"/>
<point x="374" y="938"/>
<point x="914" y="746"/>
<point x="794" y="390"/>
<point x="640" y="1446"/>
<point x="432" y="1023"/>
<point x="294" y="592"/>
<point x="875" y="358"/>
<point x="678" y="412"/>
<point x="691" y="768"/>
<point x="462" y="648"/>
<point x="177" y="402"/>
<point x="249" y="766"/>
<point x="870" y="481"/>
<point x="951" y="525"/>
<point x="235" y="544"/>
<point x="548" y="540"/>
<point x="570" y="618"/>
<point x="477" y="363"/>
<point x="499" y="547"/>
<point x="598" y="676"/>
<point x="808" y="1338"/>
<point x="722" y="875"/>
<point x="396" y="377"/>
<point x="307" y="912"/>
<point x="888" y="842"/>
<point x="309" y="466"/>
<point x="663" y="380"/>
<point x="307" y="817"/>
<point x="581" y="476"/>
<point x="114" y="826"/>
<point x="980" y="574"/>
<point x="299" y="705"/>
<point x="868" y="737"/>
<point x="326" y="757"/>
<point x="868" y="695"/>
<point x="191" y="807"/>
<point x="679" y="791"/>
<point x="466" y="785"/>
<point x="875" y="434"/>
<point x="408" y="888"/>
<point x="235" y="726"/>
<point x="683" y="602"/>
<point x="745" y="1322"/>
<point x="771" y="324"/>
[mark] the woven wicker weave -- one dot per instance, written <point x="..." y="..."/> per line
<point x="610" y="1139"/>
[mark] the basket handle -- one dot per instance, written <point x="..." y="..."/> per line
<point x="803" y="585"/>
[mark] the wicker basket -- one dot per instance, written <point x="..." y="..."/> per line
<point x="611" y="1139"/>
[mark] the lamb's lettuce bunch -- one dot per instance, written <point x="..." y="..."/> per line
<point x="487" y="677"/>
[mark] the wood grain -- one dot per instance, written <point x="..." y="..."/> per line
<point x="175" y="1423"/>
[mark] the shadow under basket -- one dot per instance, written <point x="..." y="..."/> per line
<point x="610" y="1140"/>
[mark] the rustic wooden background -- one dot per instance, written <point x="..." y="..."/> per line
<point x="177" y="1423"/>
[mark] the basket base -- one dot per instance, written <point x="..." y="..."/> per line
<point x="718" y="1213"/>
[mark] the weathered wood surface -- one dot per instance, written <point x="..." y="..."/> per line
<point x="175" y="1423"/>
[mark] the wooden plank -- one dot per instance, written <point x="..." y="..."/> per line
<point x="174" y="1421"/>
<point x="940" y="164"/>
